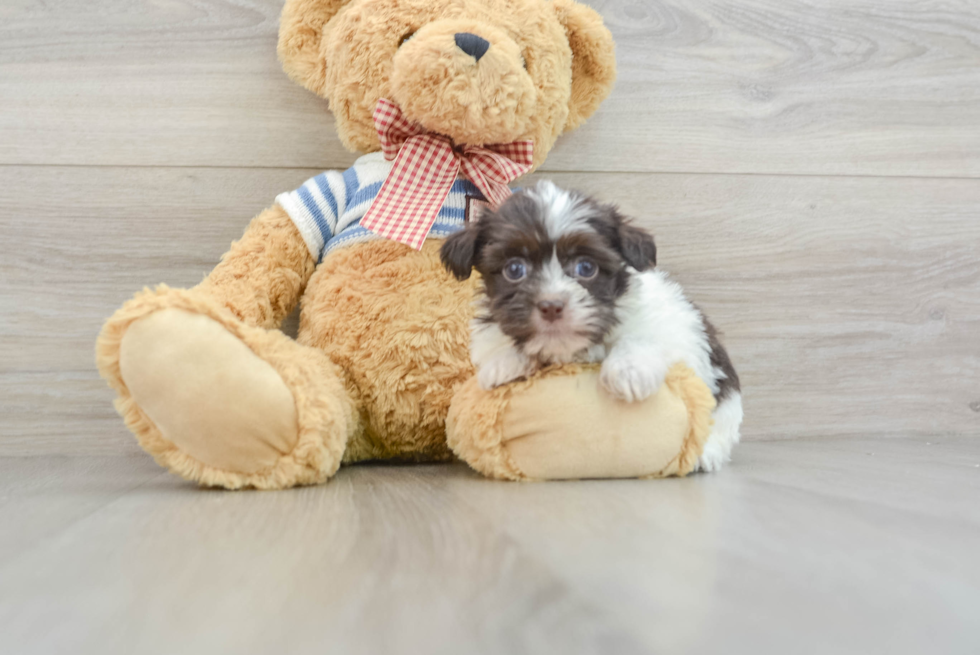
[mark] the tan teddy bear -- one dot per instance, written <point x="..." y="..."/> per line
<point x="216" y="393"/>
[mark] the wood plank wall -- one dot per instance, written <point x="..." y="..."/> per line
<point x="811" y="170"/>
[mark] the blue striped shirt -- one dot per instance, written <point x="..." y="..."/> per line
<point x="328" y="208"/>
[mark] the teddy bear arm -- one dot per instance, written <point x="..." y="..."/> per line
<point x="261" y="278"/>
<point x="559" y="424"/>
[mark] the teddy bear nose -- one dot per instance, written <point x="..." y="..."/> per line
<point x="472" y="45"/>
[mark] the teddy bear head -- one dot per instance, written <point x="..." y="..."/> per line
<point x="478" y="71"/>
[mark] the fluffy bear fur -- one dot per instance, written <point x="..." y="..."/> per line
<point x="352" y="53"/>
<point x="503" y="433"/>
<point x="396" y="322"/>
<point x="383" y="340"/>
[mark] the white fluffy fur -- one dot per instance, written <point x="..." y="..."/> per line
<point x="724" y="433"/>
<point x="562" y="212"/>
<point x="658" y="327"/>
<point x="497" y="360"/>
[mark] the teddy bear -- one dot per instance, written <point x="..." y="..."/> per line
<point x="380" y="369"/>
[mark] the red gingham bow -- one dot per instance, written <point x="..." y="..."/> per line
<point x="426" y="165"/>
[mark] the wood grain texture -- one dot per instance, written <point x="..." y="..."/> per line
<point x="810" y="171"/>
<point x="851" y="306"/>
<point x="79" y="241"/>
<point x="866" y="87"/>
<point x="377" y="561"/>
<point x="43" y="496"/>
<point x="802" y="547"/>
<point x="842" y="87"/>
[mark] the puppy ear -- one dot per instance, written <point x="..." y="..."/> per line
<point x="637" y="246"/>
<point x="459" y="251"/>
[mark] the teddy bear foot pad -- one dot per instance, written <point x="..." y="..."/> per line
<point x="207" y="392"/>
<point x="221" y="402"/>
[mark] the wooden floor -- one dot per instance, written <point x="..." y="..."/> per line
<point x="812" y="172"/>
<point x="832" y="546"/>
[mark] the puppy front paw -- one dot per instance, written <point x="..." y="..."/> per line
<point x="631" y="379"/>
<point x="503" y="368"/>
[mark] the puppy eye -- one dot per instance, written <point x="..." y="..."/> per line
<point x="586" y="269"/>
<point x="515" y="270"/>
<point x="406" y="38"/>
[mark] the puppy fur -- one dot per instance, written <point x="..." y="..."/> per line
<point x="568" y="279"/>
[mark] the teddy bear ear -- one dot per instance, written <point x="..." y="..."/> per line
<point x="593" y="59"/>
<point x="300" y="29"/>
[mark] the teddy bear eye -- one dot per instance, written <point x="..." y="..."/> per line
<point x="405" y="38"/>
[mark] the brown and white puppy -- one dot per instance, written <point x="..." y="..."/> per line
<point x="567" y="279"/>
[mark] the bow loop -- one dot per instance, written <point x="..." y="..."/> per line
<point x="425" y="167"/>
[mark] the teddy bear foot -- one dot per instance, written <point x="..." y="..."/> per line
<point x="220" y="402"/>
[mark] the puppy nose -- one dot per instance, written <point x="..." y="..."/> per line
<point x="551" y="310"/>
<point x="472" y="45"/>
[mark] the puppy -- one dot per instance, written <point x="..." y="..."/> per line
<point x="567" y="279"/>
